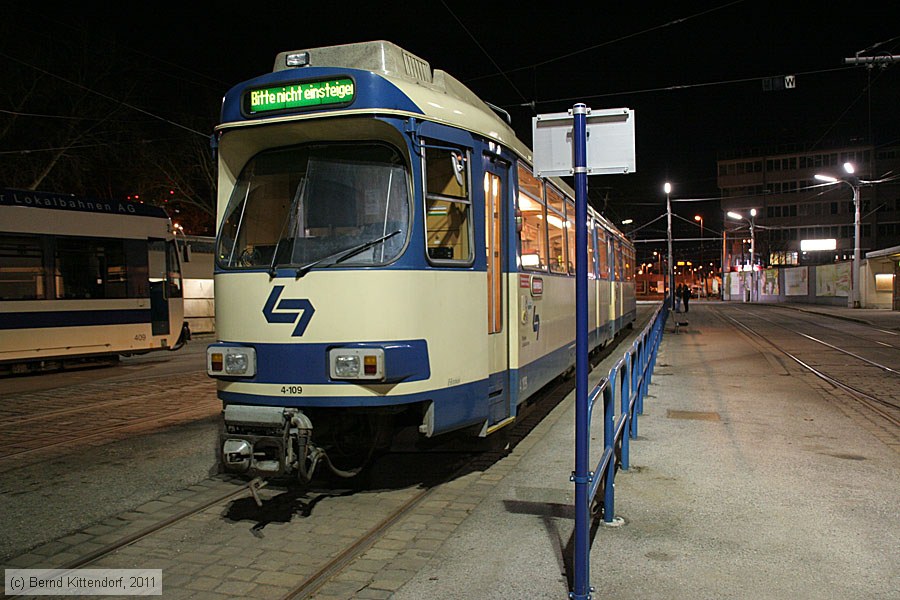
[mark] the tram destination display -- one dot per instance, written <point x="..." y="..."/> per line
<point x="301" y="95"/>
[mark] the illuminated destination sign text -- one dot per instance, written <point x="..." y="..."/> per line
<point x="300" y="95"/>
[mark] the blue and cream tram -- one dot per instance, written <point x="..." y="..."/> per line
<point x="385" y="256"/>
<point x="83" y="280"/>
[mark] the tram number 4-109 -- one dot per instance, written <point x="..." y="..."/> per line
<point x="291" y="389"/>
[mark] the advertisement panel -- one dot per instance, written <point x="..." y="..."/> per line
<point x="796" y="281"/>
<point x="833" y="280"/>
<point x="770" y="282"/>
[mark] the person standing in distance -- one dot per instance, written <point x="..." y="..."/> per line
<point x="686" y="297"/>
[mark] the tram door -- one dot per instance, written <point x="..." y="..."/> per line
<point x="613" y="286"/>
<point x="496" y="201"/>
<point x="159" y="301"/>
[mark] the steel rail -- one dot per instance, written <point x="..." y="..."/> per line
<point x="873" y="403"/>
<point x="854" y="321"/>
<point x="527" y="420"/>
<point x="151" y="529"/>
<point x="832" y="346"/>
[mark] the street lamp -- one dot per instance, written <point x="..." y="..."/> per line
<point x="752" y="222"/>
<point x="700" y="219"/>
<point x="668" y="189"/>
<point x="853" y="181"/>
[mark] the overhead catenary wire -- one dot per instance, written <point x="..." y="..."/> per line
<point x="102" y="95"/>
<point x="486" y="53"/>
<point x="81" y="146"/>
<point x="611" y="42"/>
<point x="670" y="88"/>
<point x="170" y="66"/>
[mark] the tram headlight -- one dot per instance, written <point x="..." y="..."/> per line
<point x="231" y="361"/>
<point x="356" y="363"/>
<point x="237" y="364"/>
<point x="346" y="366"/>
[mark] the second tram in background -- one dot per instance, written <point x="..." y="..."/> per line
<point x="386" y="257"/>
<point x="84" y="280"/>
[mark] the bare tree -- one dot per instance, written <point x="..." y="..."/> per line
<point x="80" y="115"/>
<point x="183" y="177"/>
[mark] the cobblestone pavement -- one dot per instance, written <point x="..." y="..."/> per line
<point x="73" y="455"/>
<point x="38" y="425"/>
<point x="237" y="550"/>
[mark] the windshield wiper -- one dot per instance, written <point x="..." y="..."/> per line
<point x="341" y="256"/>
<point x="298" y="194"/>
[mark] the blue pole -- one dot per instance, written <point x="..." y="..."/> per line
<point x="625" y="392"/>
<point x="582" y="477"/>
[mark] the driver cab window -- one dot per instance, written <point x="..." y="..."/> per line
<point x="448" y="205"/>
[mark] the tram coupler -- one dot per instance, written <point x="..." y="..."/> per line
<point x="260" y="440"/>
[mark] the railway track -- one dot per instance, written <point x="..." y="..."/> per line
<point x="856" y="378"/>
<point x="216" y="533"/>
<point x="107" y="549"/>
<point x="445" y="463"/>
<point x="535" y="414"/>
<point x="404" y="489"/>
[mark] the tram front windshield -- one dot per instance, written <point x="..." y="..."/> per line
<point x="317" y="205"/>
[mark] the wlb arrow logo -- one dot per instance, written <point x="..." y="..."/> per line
<point x="298" y="307"/>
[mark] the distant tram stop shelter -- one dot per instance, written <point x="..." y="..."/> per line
<point x="882" y="287"/>
<point x="579" y="143"/>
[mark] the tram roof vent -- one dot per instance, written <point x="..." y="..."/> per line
<point x="380" y="56"/>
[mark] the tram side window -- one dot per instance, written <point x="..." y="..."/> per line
<point x="173" y="271"/>
<point x="138" y="269"/>
<point x="629" y="264"/>
<point x="603" y="253"/>
<point x="570" y="235"/>
<point x="90" y="268"/>
<point x="447" y="206"/>
<point x="21" y="268"/>
<point x="556" y="226"/>
<point x="617" y="260"/>
<point x="534" y="229"/>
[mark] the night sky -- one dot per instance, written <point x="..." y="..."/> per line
<point x="692" y="71"/>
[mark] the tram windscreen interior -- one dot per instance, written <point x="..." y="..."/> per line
<point x="298" y="205"/>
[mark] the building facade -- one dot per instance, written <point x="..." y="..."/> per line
<point x="792" y="206"/>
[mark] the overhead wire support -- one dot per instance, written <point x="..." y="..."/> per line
<point x="881" y="59"/>
<point x="871" y="61"/>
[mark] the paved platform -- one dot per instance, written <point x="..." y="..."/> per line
<point x="747" y="481"/>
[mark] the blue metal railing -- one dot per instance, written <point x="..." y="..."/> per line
<point x="628" y="381"/>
